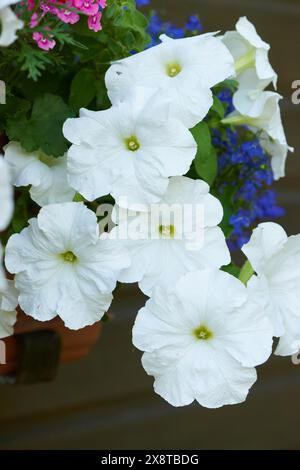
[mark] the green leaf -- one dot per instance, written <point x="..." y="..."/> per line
<point x="229" y="84"/>
<point x="43" y="129"/>
<point x="15" y="108"/>
<point x="232" y="269"/>
<point x="206" y="157"/>
<point x="34" y="61"/>
<point x="226" y="199"/>
<point x="246" y="272"/>
<point x="103" y="101"/>
<point x="83" y="89"/>
<point x="218" y="107"/>
<point x="78" y="198"/>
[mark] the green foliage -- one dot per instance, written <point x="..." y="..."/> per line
<point x="226" y="199"/>
<point x="229" y="84"/>
<point x="78" y="198"/>
<point x="24" y="209"/>
<point x="34" y="61"/>
<point x="206" y="158"/>
<point x="83" y="89"/>
<point x="232" y="269"/>
<point x="129" y="24"/>
<point x="218" y="107"/>
<point x="14" y="109"/>
<point x="43" y="128"/>
<point x="246" y="272"/>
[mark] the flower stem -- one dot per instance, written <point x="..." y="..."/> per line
<point x="246" y="272"/>
<point x="240" y="120"/>
<point x="234" y="120"/>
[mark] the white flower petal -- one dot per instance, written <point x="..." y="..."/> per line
<point x="6" y="195"/>
<point x="194" y="72"/>
<point x="46" y="175"/>
<point x="216" y="370"/>
<point x="63" y="268"/>
<point x="288" y="344"/>
<point x="236" y="44"/>
<point x="264" y="69"/>
<point x="3" y="279"/>
<point x="248" y="31"/>
<point x="267" y="239"/>
<point x="260" y="110"/>
<point x="197" y="242"/>
<point x="251" y="55"/>
<point x="8" y="304"/>
<point x="276" y="288"/>
<point x="101" y="162"/>
<point x="220" y="290"/>
<point x="278" y="151"/>
<point x="6" y="3"/>
<point x="213" y="380"/>
<point x="259" y="292"/>
<point x="10" y="24"/>
<point x="68" y="225"/>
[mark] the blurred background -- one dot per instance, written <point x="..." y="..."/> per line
<point x="106" y="401"/>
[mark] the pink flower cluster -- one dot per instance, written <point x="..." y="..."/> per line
<point x="68" y="11"/>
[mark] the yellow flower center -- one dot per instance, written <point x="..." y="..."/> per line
<point x="69" y="257"/>
<point x="202" y="333"/>
<point x="132" y="143"/>
<point x="167" y="231"/>
<point x="173" y="69"/>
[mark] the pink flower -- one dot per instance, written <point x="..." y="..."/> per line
<point x="30" y="5"/>
<point x="67" y="16"/>
<point x="34" y="21"/>
<point x="48" y="8"/>
<point x="94" y="22"/>
<point x="43" y="42"/>
<point x="102" y="3"/>
<point x="86" y="6"/>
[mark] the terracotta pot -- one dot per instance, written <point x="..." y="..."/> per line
<point x="74" y="345"/>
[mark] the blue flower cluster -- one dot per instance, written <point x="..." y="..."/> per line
<point x="226" y="97"/>
<point x="142" y="3"/>
<point x="157" y="26"/>
<point x="245" y="174"/>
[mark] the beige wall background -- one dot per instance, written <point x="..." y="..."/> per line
<point x="106" y="401"/>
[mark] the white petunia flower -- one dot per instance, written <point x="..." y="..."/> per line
<point x="250" y="52"/>
<point x="8" y="305"/>
<point x="7" y="3"/>
<point x="261" y="112"/>
<point x="62" y="267"/>
<point x="128" y="150"/>
<point x="183" y="70"/>
<point x="203" y="340"/>
<point x="275" y="258"/>
<point x="3" y="279"/>
<point x="46" y="175"/>
<point x="9" y="23"/>
<point x="6" y="209"/>
<point x="6" y="196"/>
<point x="179" y="234"/>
